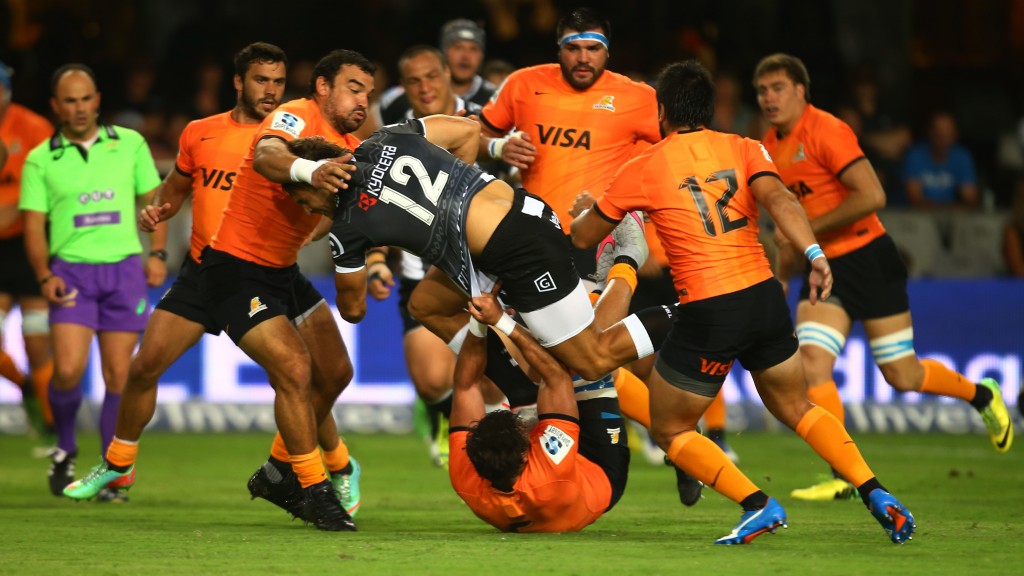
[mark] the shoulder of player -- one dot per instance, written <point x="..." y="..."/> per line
<point x="26" y="115"/>
<point x="821" y="123"/>
<point x="627" y="84"/>
<point x="531" y="75"/>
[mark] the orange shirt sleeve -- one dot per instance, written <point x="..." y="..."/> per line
<point x="835" y="145"/>
<point x="498" y="113"/>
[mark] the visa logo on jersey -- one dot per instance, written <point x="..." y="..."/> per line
<point x="564" y="137"/>
<point x="218" y="179"/>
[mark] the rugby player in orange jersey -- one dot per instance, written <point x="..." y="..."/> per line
<point x="820" y="160"/>
<point x="576" y="121"/>
<point x="559" y="476"/>
<point x="701" y="189"/>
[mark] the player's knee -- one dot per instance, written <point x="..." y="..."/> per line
<point x="145" y="369"/>
<point x="291" y="374"/>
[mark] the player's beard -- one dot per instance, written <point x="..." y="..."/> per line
<point x="251" y="104"/>
<point x="581" y="85"/>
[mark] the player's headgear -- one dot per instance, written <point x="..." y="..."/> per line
<point x="461" y="29"/>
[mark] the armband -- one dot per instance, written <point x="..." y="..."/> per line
<point x="505" y="325"/>
<point x="477" y="328"/>
<point x="813" y="252"/>
<point x="302" y="170"/>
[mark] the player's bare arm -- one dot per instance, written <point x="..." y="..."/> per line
<point x="589" y="228"/>
<point x="156" y="263"/>
<point x="167" y="201"/>
<point x="866" y="196"/>
<point x="460" y="136"/>
<point x="350" y="289"/>
<point x="791" y="219"/>
<point x="274" y="162"/>
<point x="468" y="399"/>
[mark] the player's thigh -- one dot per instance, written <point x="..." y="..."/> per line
<point x="276" y="346"/>
<point x="822" y="330"/>
<point x="675" y="405"/>
<point x="328" y="354"/>
<point x="782" y="389"/>
<point x="430" y="362"/>
<point x="166" y="338"/>
<point x="439" y="304"/>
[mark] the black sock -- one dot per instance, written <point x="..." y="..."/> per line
<point x="346" y="470"/>
<point x="626" y="260"/>
<point x="867" y="488"/>
<point x="982" y="397"/>
<point x="716" y="434"/>
<point x="121" y="469"/>
<point x="657" y="321"/>
<point x="755" y="501"/>
<point x="283" y="467"/>
<point x="443" y="407"/>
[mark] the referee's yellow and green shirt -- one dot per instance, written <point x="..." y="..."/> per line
<point x="89" y="195"/>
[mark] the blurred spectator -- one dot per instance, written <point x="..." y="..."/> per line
<point x="939" y="172"/>
<point x="299" y="74"/>
<point x="495" y="71"/>
<point x="1013" y="234"/>
<point x="732" y="115"/>
<point x="884" y="138"/>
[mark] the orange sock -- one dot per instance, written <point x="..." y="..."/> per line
<point x="278" y="450"/>
<point x="309" y="468"/>
<point x="832" y="442"/>
<point x="826" y="395"/>
<point x="714" y="416"/>
<point x="705" y="461"/>
<point x="634" y="398"/>
<point x="623" y="272"/>
<point x="10" y="371"/>
<point x="41" y="383"/>
<point x="122" y="452"/>
<point x="594" y="297"/>
<point x="336" y="459"/>
<point x="942" y="381"/>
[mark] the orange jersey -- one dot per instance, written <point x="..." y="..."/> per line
<point x="558" y="491"/>
<point x="21" y="130"/>
<point x="261" y="223"/>
<point x="694" y="186"/>
<point x="209" y="152"/>
<point x="810" y="160"/>
<point x="582" y="138"/>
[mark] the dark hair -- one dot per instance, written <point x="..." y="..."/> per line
<point x="258" y="52"/>
<point x="312" y="148"/>
<point x="414" y="51"/>
<point x="686" y="91"/>
<point x="791" y="65"/>
<point x="497" y="447"/>
<point x="329" y="65"/>
<point x="72" y="67"/>
<point x="583" y="19"/>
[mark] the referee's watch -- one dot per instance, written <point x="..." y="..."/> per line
<point x="161" y="254"/>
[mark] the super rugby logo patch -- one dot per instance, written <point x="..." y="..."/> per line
<point x="288" y="122"/>
<point x="556" y="444"/>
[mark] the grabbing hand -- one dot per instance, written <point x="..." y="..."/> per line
<point x="152" y="215"/>
<point x="820" y="280"/>
<point x="333" y="175"/>
<point x="583" y="203"/>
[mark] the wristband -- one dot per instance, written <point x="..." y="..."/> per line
<point x="477" y="328"/>
<point x="505" y="325"/>
<point x="302" y="170"/>
<point x="497" y="145"/>
<point x="814" y="252"/>
<point x="161" y="254"/>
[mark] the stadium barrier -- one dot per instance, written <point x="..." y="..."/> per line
<point x="975" y="326"/>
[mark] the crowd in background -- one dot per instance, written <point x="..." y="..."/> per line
<point x="936" y="150"/>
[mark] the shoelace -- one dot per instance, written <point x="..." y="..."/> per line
<point x="93" y="474"/>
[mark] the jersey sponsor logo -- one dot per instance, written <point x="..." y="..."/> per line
<point x="714" y="367"/>
<point x="800" y="155"/>
<point x="96" y="196"/>
<point x="605" y="103"/>
<point x="613" y="434"/>
<point x="255" y="306"/>
<point x="97" y="219"/>
<point x="545" y="283"/>
<point x="336" y="248"/>
<point x="366" y="201"/>
<point x="556" y="443"/>
<point x="564" y="137"/>
<point x="218" y="179"/>
<point x="376" y="181"/>
<point x="288" y="122"/>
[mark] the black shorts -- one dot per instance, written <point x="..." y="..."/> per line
<point x="604" y="442"/>
<point x="752" y="325"/>
<point x="184" y="299"/>
<point x="16" y="275"/>
<point x="241" y="294"/>
<point x="584" y="260"/>
<point x="405" y="288"/>
<point x="530" y="255"/>
<point x="652" y="292"/>
<point x="870" y="282"/>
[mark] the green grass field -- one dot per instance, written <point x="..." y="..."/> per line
<point x="190" y="513"/>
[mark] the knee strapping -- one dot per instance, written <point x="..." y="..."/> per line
<point x="892" y="347"/>
<point x="35" y="322"/>
<point x="821" y="335"/>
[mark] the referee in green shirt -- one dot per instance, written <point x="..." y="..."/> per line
<point x="84" y="183"/>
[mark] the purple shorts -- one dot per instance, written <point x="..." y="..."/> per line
<point x="107" y="297"/>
